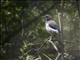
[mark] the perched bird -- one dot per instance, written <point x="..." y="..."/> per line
<point x="54" y="30"/>
<point x="51" y="26"/>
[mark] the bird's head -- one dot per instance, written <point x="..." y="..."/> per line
<point x="48" y="17"/>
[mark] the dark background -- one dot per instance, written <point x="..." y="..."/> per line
<point x="22" y="25"/>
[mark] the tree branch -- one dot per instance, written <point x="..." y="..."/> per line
<point x="47" y="56"/>
<point x="55" y="47"/>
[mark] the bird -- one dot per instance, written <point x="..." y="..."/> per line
<point x="51" y="26"/>
<point x="53" y="29"/>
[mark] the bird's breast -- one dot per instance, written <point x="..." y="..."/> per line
<point x="47" y="28"/>
<point x="50" y="30"/>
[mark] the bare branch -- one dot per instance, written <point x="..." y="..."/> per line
<point x="55" y="47"/>
<point x="47" y="56"/>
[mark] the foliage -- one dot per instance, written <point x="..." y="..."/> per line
<point x="22" y="27"/>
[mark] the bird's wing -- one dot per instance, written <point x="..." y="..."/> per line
<point x="54" y="25"/>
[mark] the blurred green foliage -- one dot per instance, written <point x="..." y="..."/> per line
<point x="22" y="26"/>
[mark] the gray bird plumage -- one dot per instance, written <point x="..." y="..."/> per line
<point x="50" y="25"/>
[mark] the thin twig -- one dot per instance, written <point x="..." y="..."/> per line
<point x="42" y="44"/>
<point x="39" y="58"/>
<point x="47" y="56"/>
<point x="55" y="47"/>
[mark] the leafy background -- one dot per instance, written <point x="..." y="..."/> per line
<point x="22" y="25"/>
